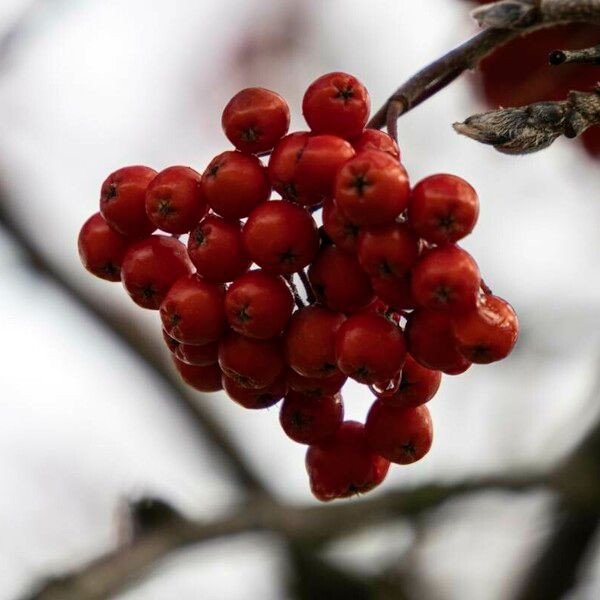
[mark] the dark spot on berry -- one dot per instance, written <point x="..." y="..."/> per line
<point x="165" y="208"/>
<point x="447" y="223"/>
<point x="362" y="372"/>
<point x="264" y="399"/>
<point x="250" y="135"/>
<point x="288" y="257"/>
<point x="214" y="169"/>
<point x="443" y="294"/>
<point x="404" y="384"/>
<point x="345" y="93"/>
<point x="409" y="449"/>
<point x="328" y="368"/>
<point x="147" y="292"/>
<point x="110" y="269"/>
<point x="384" y="269"/>
<point x="479" y="352"/>
<point x="175" y="319"/>
<point x="200" y="237"/>
<point x="359" y="183"/>
<point x="290" y="191"/>
<point x="242" y="315"/>
<point x="299" y="420"/>
<point x="319" y="290"/>
<point x="111" y="192"/>
<point x="351" y="230"/>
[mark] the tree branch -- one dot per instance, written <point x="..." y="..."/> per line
<point x="590" y="56"/>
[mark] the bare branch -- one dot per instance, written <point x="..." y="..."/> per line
<point x="590" y="56"/>
<point x="508" y="14"/>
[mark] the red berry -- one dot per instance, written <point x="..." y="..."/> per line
<point x="369" y="348"/>
<point x="431" y="343"/>
<point x="344" y="465"/>
<point x="283" y="162"/>
<point x="374" y="139"/>
<point x="255" y="398"/>
<point x="192" y="354"/>
<point x="339" y="228"/>
<point x="310" y="341"/>
<point x="418" y="385"/>
<point x="174" y="200"/>
<point x="388" y="251"/>
<point x="251" y="363"/>
<point x="316" y="386"/>
<point x="281" y="237"/>
<point x="151" y="267"/>
<point x="372" y="189"/>
<point x="443" y="208"/>
<point x="102" y="249"/>
<point x="193" y="311"/>
<point x="338" y="281"/>
<point x="311" y="419"/>
<point x="234" y="184"/>
<point x="336" y="103"/>
<point x="446" y="279"/>
<point x="396" y="292"/>
<point x="402" y="435"/>
<point x="123" y="201"/>
<point x="204" y="379"/>
<point x="255" y="119"/>
<point x="259" y="305"/>
<point x="216" y="248"/>
<point x="488" y="333"/>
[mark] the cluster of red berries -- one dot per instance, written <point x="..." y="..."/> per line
<point x="390" y="300"/>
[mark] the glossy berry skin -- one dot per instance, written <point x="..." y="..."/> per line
<point x="123" y="201"/>
<point x="374" y="139"/>
<point x="255" y="119"/>
<point x="336" y="103"/>
<point x="418" y="385"/>
<point x="174" y="200"/>
<point x="234" y="184"/>
<point x="255" y="398"/>
<point x="251" y="363"/>
<point x="402" y="435"/>
<point x="388" y="251"/>
<point x="151" y="266"/>
<point x="310" y="341"/>
<point x="192" y="354"/>
<point x="343" y="233"/>
<point x="338" y="280"/>
<point x="311" y="419"/>
<point x="283" y="162"/>
<point x="396" y="292"/>
<point x="488" y="333"/>
<point x="369" y="348"/>
<point x="316" y="386"/>
<point x="281" y="237"/>
<point x="321" y="159"/>
<point x="345" y="464"/>
<point x="446" y="279"/>
<point x="372" y="189"/>
<point x="431" y="343"/>
<point x="203" y="379"/>
<point x="193" y="311"/>
<point x="443" y="208"/>
<point x="259" y="305"/>
<point x="216" y="248"/>
<point x="101" y="249"/>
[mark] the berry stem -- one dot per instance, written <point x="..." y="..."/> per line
<point x="310" y="296"/>
<point x="297" y="299"/>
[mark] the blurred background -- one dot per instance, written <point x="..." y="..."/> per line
<point x="85" y="425"/>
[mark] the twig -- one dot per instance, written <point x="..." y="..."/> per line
<point x="310" y="296"/>
<point x="297" y="299"/>
<point x="589" y="56"/>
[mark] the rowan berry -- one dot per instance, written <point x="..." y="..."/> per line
<point x="374" y="139"/>
<point x="396" y="292"/>
<point x="339" y="228"/>
<point x="418" y="385"/>
<point x="203" y="379"/>
<point x="283" y="162"/>
<point x="316" y="386"/>
<point x="255" y="398"/>
<point x="192" y="354"/>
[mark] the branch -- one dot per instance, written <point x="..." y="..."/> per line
<point x="590" y="56"/>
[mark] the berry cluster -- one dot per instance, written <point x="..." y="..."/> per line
<point x="390" y="300"/>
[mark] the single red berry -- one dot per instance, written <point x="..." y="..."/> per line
<point x="374" y="139"/>
<point x="251" y="363"/>
<point x="259" y="305"/>
<point x="151" y="266"/>
<point x="343" y="232"/>
<point x="174" y="200"/>
<point x="283" y="162"/>
<point x="255" y="398"/>
<point x="101" y="249"/>
<point x="372" y="189"/>
<point x="344" y="464"/>
<point x="488" y="333"/>
<point x="234" y="184"/>
<point x="204" y="379"/>
<point x="396" y="292"/>
<point x="431" y="343"/>
<point x="316" y="386"/>
<point x="311" y="419"/>
<point x="123" y="201"/>
<point x="193" y="311"/>
<point x="310" y="341"/>
<point x="388" y="251"/>
<point x="281" y="237"/>
<point x="255" y="119"/>
<point x="338" y="280"/>
<point x="336" y="103"/>
<point x="446" y="279"/>
<point x="369" y="348"/>
<point x="216" y="248"/>
<point x="402" y="435"/>
<point x="192" y="354"/>
<point x="443" y="208"/>
<point x="418" y="385"/>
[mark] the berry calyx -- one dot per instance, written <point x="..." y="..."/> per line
<point x="417" y="386"/>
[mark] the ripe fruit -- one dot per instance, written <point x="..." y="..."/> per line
<point x="151" y="267"/>
<point x="101" y="249"/>
<point x="283" y="162"/>
<point x="123" y="201"/>
<point x="418" y="385"/>
<point x="396" y="292"/>
<point x="402" y="435"/>
<point x="192" y="354"/>
<point x="259" y="305"/>
<point x="316" y="386"/>
<point x="255" y="119"/>
<point x="203" y="379"/>
<point x="344" y="465"/>
<point x="339" y="228"/>
<point x="174" y="200"/>
<point x="255" y="398"/>
<point x="374" y="139"/>
<point x="336" y="103"/>
<point x="443" y="208"/>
